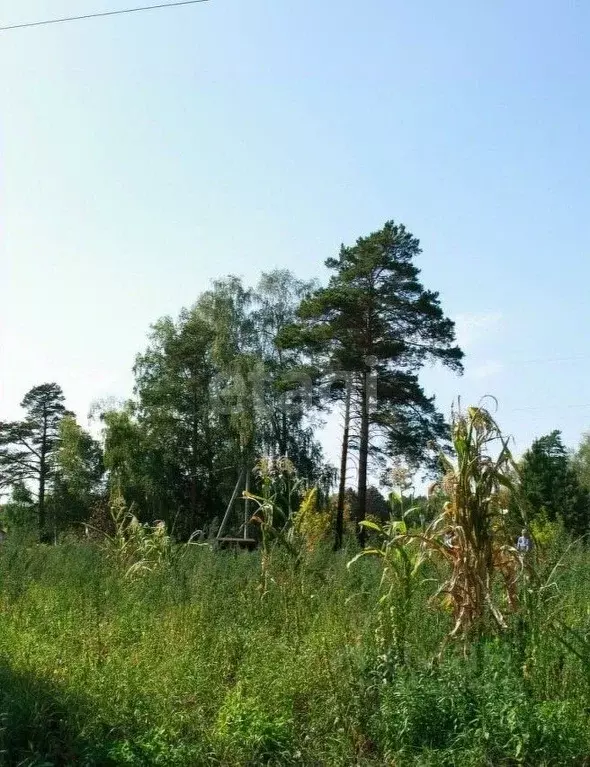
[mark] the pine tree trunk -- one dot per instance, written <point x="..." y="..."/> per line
<point x="194" y="460"/>
<point x="339" y="532"/>
<point x="42" y="472"/>
<point x="282" y="426"/>
<point x="363" y="459"/>
<point x="42" y="496"/>
<point x="284" y="435"/>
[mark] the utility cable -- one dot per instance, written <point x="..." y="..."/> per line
<point x="102" y="14"/>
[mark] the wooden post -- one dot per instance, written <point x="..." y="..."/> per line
<point x="339" y="531"/>
<point x="247" y="505"/>
<point x="229" y="506"/>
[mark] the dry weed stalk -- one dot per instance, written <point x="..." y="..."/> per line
<point x="470" y="534"/>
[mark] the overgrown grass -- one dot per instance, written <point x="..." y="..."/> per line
<point x="193" y="665"/>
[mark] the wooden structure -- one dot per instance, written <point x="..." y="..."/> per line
<point x="227" y="542"/>
<point x="240" y="541"/>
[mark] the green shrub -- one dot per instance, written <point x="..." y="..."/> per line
<point x="157" y="748"/>
<point x="247" y="731"/>
<point x="186" y="665"/>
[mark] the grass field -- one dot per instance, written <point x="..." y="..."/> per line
<point x="191" y="665"/>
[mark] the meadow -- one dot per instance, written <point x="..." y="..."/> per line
<point x="193" y="662"/>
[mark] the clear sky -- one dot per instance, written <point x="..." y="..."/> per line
<point x="143" y="155"/>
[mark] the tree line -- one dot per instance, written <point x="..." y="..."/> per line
<point x="252" y="371"/>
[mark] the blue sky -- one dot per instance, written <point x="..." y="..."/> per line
<point x="141" y="156"/>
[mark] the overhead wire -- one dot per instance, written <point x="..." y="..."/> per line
<point x="101" y="14"/>
<point x="180" y="3"/>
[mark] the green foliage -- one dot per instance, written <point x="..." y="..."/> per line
<point x="401" y="562"/>
<point x="156" y="747"/>
<point x="275" y="509"/>
<point x="28" y="448"/>
<point x="311" y="523"/>
<point x="550" y="485"/>
<point x="377" y="506"/>
<point x="136" y="548"/>
<point x="544" y="532"/>
<point x="212" y="390"/>
<point x="250" y="732"/>
<point x="18" y="515"/>
<point x="460" y="716"/>
<point x="285" y="423"/>
<point x="377" y="325"/>
<point x="79" y="460"/>
<point x="130" y="649"/>
<point x="131" y="460"/>
<point x="187" y="666"/>
<point x="78" y="475"/>
<point x="581" y="461"/>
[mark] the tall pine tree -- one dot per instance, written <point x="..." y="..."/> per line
<point x="28" y="448"/>
<point x="376" y="325"/>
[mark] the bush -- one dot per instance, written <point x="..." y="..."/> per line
<point x="546" y="533"/>
<point x="188" y="664"/>
<point x="250" y="733"/>
<point x="487" y="716"/>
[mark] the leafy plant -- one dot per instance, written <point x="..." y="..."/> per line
<point x="244" y="727"/>
<point x="189" y="666"/>
<point x="310" y="524"/>
<point x="544" y="531"/>
<point x="137" y="548"/>
<point x="470" y="535"/>
<point x="279" y="481"/>
<point x="401" y="560"/>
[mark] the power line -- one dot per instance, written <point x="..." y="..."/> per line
<point x="102" y="14"/>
